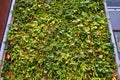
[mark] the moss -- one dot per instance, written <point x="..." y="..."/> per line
<point x="63" y="40"/>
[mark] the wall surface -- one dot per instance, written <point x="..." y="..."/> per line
<point x="4" y="10"/>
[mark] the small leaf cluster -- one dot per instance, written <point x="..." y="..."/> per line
<point x="59" y="40"/>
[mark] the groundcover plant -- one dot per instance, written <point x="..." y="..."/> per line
<point x="59" y="40"/>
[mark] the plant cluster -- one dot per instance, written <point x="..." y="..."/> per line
<point x="59" y="40"/>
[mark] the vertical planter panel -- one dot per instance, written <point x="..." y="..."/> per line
<point x="4" y="10"/>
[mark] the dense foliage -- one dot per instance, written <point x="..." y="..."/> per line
<point x="59" y="40"/>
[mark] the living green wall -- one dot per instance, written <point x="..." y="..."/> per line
<point x="59" y="40"/>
